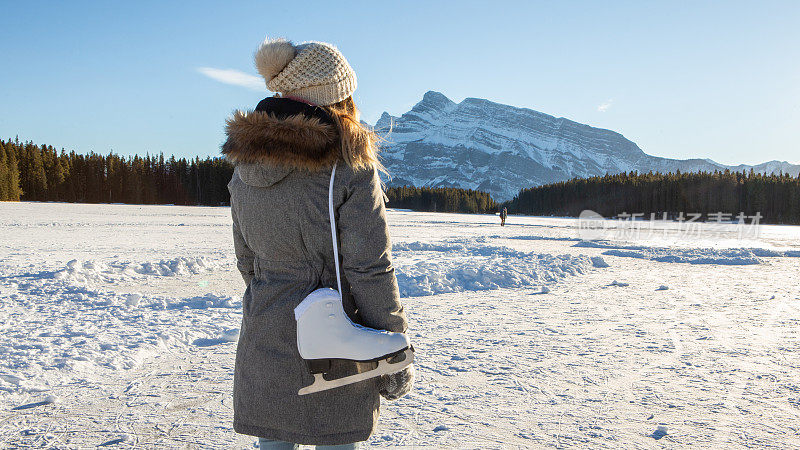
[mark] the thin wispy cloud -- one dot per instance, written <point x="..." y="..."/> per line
<point x="603" y="107"/>
<point x="233" y="77"/>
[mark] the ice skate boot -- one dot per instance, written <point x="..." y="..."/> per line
<point x="325" y="333"/>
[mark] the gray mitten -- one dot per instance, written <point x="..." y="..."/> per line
<point x="396" y="385"/>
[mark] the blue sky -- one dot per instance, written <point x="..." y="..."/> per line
<point x="717" y="80"/>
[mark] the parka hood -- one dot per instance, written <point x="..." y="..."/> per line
<point x="259" y="175"/>
<point x="280" y="136"/>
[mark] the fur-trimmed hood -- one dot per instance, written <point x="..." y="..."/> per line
<point x="283" y="134"/>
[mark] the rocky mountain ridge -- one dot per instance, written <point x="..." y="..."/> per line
<point x="479" y="144"/>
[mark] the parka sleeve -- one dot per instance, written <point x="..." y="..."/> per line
<point x="244" y="256"/>
<point x="366" y="254"/>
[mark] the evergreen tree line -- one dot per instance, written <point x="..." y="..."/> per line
<point x="32" y="172"/>
<point x="776" y="196"/>
<point x="41" y="173"/>
<point x="440" y="199"/>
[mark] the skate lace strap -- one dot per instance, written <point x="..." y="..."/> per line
<point x="333" y="231"/>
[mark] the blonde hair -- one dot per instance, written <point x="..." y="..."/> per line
<point x="359" y="142"/>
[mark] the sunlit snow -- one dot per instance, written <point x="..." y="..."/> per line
<point x="119" y="325"/>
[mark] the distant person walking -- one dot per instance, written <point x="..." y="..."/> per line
<point x="503" y="215"/>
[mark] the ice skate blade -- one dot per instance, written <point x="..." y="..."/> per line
<point x="384" y="368"/>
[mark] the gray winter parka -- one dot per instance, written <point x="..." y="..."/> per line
<point x="281" y="232"/>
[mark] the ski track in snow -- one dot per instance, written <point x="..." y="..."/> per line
<point x="119" y="326"/>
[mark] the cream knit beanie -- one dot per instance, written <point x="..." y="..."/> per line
<point x="314" y="71"/>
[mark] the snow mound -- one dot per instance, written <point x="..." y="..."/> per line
<point x="417" y="246"/>
<point x="424" y="268"/>
<point x="226" y="337"/>
<point x="599" y="262"/>
<point x="660" y="432"/>
<point x="89" y="272"/>
<point x="48" y="400"/>
<point x="721" y="256"/>
<point x="545" y="290"/>
<point x="206" y="301"/>
<point x="133" y="300"/>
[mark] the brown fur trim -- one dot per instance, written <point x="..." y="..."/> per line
<point x="295" y="141"/>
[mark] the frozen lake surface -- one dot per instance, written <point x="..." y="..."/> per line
<point x="119" y="326"/>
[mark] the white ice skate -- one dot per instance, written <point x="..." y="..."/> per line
<point x="325" y="333"/>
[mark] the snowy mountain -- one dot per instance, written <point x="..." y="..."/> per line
<point x="478" y="144"/>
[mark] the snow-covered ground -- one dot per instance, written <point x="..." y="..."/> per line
<point x="119" y="326"/>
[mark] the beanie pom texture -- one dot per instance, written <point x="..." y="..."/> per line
<point x="315" y="72"/>
<point x="273" y="56"/>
